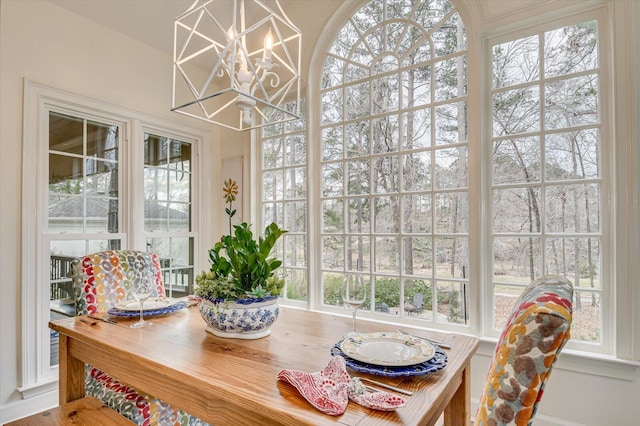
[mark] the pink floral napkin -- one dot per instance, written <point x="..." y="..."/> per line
<point x="329" y="390"/>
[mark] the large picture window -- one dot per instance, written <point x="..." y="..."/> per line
<point x="547" y="170"/>
<point x="392" y="187"/>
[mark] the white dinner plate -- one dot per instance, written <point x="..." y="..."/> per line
<point x="387" y="349"/>
<point x="150" y="304"/>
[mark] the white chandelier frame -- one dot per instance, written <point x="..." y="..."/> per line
<point x="258" y="82"/>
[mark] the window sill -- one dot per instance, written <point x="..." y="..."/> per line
<point x="37" y="389"/>
<point x="582" y="362"/>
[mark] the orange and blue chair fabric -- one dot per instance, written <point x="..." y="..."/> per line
<point x="101" y="281"/>
<point x="537" y="330"/>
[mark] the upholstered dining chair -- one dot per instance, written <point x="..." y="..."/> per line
<point x="100" y="281"/>
<point x="535" y="333"/>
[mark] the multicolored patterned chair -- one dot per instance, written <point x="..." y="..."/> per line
<point x="537" y="330"/>
<point x="100" y="281"/>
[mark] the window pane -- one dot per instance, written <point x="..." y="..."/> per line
<point x="417" y="214"/>
<point x="332" y="252"/>
<point x="102" y="177"/>
<point x="295" y="219"/>
<point x="176" y="263"/>
<point x="571" y="102"/>
<point x="167" y="184"/>
<point x="357" y="140"/>
<point x="385" y="174"/>
<point x="66" y="134"/>
<point x="417" y="171"/>
<point x="516" y="210"/>
<point x="416" y="86"/>
<point x="386" y="210"/>
<point x="332" y="143"/>
<point x="272" y="212"/>
<point x="332" y="106"/>
<point x="272" y="185"/>
<point x="418" y="256"/>
<point x="295" y="250"/>
<point x="516" y="62"/>
<point x="102" y="141"/>
<point x="504" y="298"/>
<point x="572" y="155"/>
<point x="333" y="69"/>
<point x="272" y="155"/>
<point x="452" y="302"/>
<point x="451" y="168"/>
<point x="386" y="90"/>
<point x="296" y="284"/>
<point x="586" y="323"/>
<point x="332" y="179"/>
<point x="296" y="150"/>
<point x="332" y="288"/>
<point x="358" y="253"/>
<point x="333" y="216"/>
<point x="516" y="111"/>
<point x="417" y="129"/>
<point x="296" y="183"/>
<point x="284" y="196"/>
<point x="571" y="49"/>
<point x="573" y="208"/>
<point x="66" y="174"/>
<point x="418" y="299"/>
<point x="357" y="177"/>
<point x="450" y="76"/>
<point x="387" y="255"/>
<point x="516" y="160"/>
<point x="385" y="134"/>
<point x="451" y="257"/>
<point x="358" y="215"/>
<point x="516" y="260"/>
<point x="357" y="101"/>
<point x="577" y="258"/>
<point x="387" y="295"/>
<point x="450" y="212"/>
<point x="451" y="123"/>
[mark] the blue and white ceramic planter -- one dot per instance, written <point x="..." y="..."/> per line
<point x="240" y="319"/>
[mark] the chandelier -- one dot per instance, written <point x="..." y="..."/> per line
<point x="236" y="63"/>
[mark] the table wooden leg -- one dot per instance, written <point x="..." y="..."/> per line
<point x="71" y="373"/>
<point x="458" y="412"/>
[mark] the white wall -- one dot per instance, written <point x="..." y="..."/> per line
<point x="52" y="46"/>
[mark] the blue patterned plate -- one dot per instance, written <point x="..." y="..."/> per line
<point x="437" y="363"/>
<point x="148" y="313"/>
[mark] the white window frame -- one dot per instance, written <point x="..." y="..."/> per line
<point x="37" y="376"/>
<point x="606" y="232"/>
<point x="620" y="115"/>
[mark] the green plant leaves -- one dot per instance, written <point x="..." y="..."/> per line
<point x="245" y="261"/>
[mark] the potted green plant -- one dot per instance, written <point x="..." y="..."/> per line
<point x="239" y="292"/>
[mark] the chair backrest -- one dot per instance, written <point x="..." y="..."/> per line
<point x="537" y="330"/>
<point x="102" y="280"/>
<point x="418" y="300"/>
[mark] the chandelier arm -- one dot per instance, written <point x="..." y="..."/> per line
<point x="186" y="43"/>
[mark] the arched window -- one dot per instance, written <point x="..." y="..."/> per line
<point x="391" y="194"/>
<point x="394" y="186"/>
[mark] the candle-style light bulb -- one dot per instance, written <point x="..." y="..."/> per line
<point x="268" y="45"/>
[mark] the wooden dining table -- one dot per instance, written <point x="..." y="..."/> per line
<point x="233" y="381"/>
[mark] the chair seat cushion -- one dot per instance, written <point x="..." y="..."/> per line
<point x="139" y="408"/>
